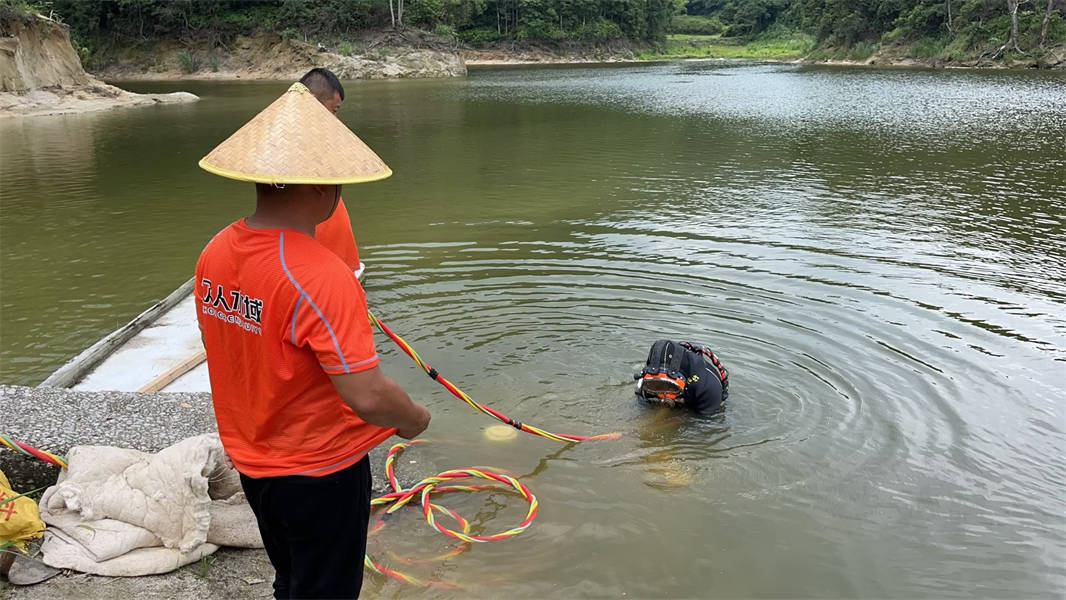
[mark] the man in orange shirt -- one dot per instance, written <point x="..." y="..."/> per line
<point x="297" y="392"/>
<point x="335" y="232"/>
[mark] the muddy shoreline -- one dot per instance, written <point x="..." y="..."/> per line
<point x="480" y="59"/>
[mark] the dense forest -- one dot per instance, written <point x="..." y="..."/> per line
<point x="851" y="28"/>
<point x="939" y="26"/>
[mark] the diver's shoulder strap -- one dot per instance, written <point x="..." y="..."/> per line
<point x="709" y="356"/>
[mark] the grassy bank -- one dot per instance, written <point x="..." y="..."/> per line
<point x="935" y="51"/>
<point x="976" y="35"/>
<point x="941" y="52"/>
<point x="681" y="45"/>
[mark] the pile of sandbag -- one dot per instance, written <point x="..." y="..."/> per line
<point x="121" y="512"/>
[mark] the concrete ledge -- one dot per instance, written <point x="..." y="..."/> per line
<point x="56" y="419"/>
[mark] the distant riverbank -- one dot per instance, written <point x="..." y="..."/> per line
<point x="412" y="53"/>
<point x="801" y="48"/>
<point x="43" y="74"/>
<point x="269" y="56"/>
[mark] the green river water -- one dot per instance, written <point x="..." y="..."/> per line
<point x="878" y="256"/>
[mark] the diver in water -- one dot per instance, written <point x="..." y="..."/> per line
<point x="683" y="374"/>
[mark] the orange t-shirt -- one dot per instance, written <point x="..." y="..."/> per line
<point x="335" y="233"/>
<point x="278" y="312"/>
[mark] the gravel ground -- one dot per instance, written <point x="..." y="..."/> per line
<point x="56" y="419"/>
<point x="228" y="573"/>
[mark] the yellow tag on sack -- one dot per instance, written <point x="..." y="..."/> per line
<point x="19" y="519"/>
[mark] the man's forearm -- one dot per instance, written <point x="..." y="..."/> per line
<point x="391" y="407"/>
<point x="380" y="401"/>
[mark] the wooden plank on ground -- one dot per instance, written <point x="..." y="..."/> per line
<point x="174" y="372"/>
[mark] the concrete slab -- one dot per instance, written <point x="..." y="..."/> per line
<point x="56" y="419"/>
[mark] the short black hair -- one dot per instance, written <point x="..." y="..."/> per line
<point x="322" y="83"/>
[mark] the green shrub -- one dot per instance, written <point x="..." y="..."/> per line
<point x="891" y="36"/>
<point x="778" y="43"/>
<point x="540" y="30"/>
<point x="929" y="47"/>
<point x="480" y="36"/>
<point x="862" y="51"/>
<point x="960" y="46"/>
<point x="922" y="20"/>
<point x="696" y="25"/>
<point x="213" y="61"/>
<point x="446" y="31"/>
<point x="1056" y="33"/>
<point x="17" y="10"/>
<point x="84" y="50"/>
<point x="345" y="48"/>
<point x="423" y="12"/>
<point x="237" y="21"/>
<point x="598" y="31"/>
<point x="291" y="33"/>
<point x="190" y="63"/>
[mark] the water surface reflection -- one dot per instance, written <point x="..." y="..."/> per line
<point x="877" y="255"/>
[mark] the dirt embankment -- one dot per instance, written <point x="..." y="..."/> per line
<point x="525" y="53"/>
<point x="268" y="56"/>
<point x="41" y="74"/>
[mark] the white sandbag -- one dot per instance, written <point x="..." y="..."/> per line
<point x="233" y="523"/>
<point x="123" y="512"/>
<point x="63" y="552"/>
<point x="102" y="539"/>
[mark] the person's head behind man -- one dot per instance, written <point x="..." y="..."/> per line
<point x="326" y="87"/>
<point x="309" y="201"/>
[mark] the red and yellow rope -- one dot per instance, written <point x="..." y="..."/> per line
<point x="431" y="485"/>
<point x="28" y="450"/>
<point x="433" y="374"/>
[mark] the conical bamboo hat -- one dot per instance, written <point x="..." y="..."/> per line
<point x="295" y="140"/>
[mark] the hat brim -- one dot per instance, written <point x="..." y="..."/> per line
<point x="291" y="179"/>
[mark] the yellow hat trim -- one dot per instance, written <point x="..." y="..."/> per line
<point x="266" y="177"/>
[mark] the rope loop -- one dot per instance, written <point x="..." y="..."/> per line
<point x="432" y="485"/>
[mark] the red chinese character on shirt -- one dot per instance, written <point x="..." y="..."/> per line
<point x="7" y="509"/>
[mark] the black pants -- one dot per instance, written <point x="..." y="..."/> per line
<point x="314" y="530"/>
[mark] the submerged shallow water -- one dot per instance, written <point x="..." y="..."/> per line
<point x="879" y="257"/>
